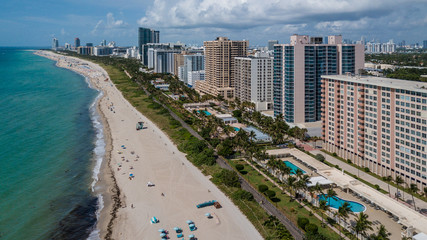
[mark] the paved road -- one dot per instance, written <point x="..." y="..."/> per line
<point x="419" y="203"/>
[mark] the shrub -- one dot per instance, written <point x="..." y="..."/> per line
<point x="240" y="167"/>
<point x="270" y="193"/>
<point x="228" y="178"/>
<point x="302" y="222"/>
<point x="262" y="188"/>
<point x="242" y="195"/>
<point x="334" y="154"/>
<point x="337" y="167"/>
<point x="320" y="157"/>
<point x="311" y="228"/>
<point x="366" y="169"/>
<point x="377" y="187"/>
<point x="348" y="161"/>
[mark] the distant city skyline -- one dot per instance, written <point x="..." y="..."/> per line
<point x="195" y="21"/>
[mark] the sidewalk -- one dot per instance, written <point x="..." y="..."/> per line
<point x="365" y="176"/>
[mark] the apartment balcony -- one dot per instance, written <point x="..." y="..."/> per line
<point x="323" y="104"/>
<point x="361" y="131"/>
<point x="361" y="137"/>
<point x="323" y="95"/>
<point x="361" y="149"/>
<point x="361" y="104"/>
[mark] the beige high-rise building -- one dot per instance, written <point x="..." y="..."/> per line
<point x="219" y="66"/>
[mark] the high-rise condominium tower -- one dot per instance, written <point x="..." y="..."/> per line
<point x="76" y="42"/>
<point x="297" y="70"/>
<point x="219" y="66"/>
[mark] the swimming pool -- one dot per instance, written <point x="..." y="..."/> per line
<point x="293" y="167"/>
<point x="336" y="202"/>
<point x="236" y="129"/>
<point x="206" y="112"/>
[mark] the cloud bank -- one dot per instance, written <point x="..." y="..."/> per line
<point x="347" y="17"/>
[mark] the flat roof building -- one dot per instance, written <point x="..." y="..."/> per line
<point x="378" y="123"/>
<point x="297" y="70"/>
<point x="219" y="66"/>
<point x="253" y="80"/>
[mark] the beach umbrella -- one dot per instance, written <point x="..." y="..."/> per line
<point x="191" y="225"/>
<point x="189" y="221"/>
<point x="176" y="228"/>
<point x="161" y="230"/>
<point x="162" y="234"/>
<point x="191" y="236"/>
<point x="207" y="214"/>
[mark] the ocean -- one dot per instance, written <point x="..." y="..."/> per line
<point x="51" y="146"/>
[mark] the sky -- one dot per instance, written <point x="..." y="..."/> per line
<point x="36" y="22"/>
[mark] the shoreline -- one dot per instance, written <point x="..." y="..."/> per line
<point x="106" y="185"/>
<point x="150" y="156"/>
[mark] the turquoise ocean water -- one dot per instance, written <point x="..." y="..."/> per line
<point x="47" y="142"/>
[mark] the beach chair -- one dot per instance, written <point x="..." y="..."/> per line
<point x="180" y="235"/>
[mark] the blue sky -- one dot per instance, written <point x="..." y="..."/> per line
<point x="35" y="22"/>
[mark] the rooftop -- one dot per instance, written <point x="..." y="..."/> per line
<point x="382" y="82"/>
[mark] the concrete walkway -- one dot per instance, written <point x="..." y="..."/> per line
<point x="365" y="176"/>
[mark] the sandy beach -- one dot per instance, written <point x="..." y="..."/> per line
<point x="150" y="156"/>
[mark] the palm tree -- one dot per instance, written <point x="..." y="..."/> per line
<point x="362" y="224"/>
<point x="331" y="194"/>
<point x="291" y="182"/>
<point x="413" y="188"/>
<point x="382" y="234"/>
<point x="399" y="181"/>
<point x="343" y="212"/>
<point x="252" y="135"/>
<point x="302" y="182"/>
<point x="388" y="179"/>
<point x="323" y="206"/>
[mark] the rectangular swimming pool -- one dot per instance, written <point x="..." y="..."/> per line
<point x="293" y="167"/>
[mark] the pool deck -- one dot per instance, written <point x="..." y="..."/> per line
<point x="407" y="216"/>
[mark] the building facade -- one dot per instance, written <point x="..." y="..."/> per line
<point x="271" y="44"/>
<point x="219" y="66"/>
<point x="194" y="62"/>
<point x="161" y="60"/>
<point x="297" y="70"/>
<point x="378" y="123"/>
<point x="146" y="35"/>
<point x="55" y="43"/>
<point x="84" y="50"/>
<point x="194" y="76"/>
<point x="76" y="42"/>
<point x="253" y="78"/>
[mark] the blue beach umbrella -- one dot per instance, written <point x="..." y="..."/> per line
<point x="162" y="234"/>
<point x="189" y="221"/>
<point x="191" y="236"/>
<point x="191" y="225"/>
<point x="176" y="228"/>
<point x="161" y="230"/>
